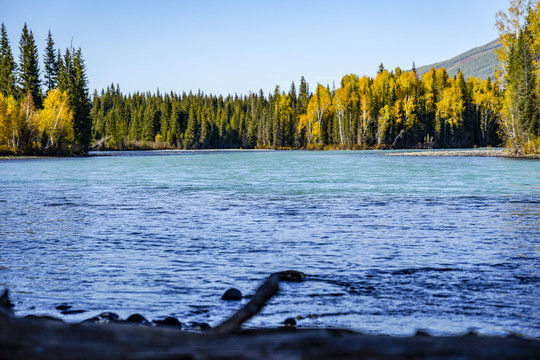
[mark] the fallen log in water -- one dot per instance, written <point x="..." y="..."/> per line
<point x="268" y="289"/>
<point x="48" y="339"/>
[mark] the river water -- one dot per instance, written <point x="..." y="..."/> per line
<point x="390" y="244"/>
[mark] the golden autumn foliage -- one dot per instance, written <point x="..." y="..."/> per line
<point x="534" y="28"/>
<point x="318" y="109"/>
<point x="55" y="121"/>
<point x="487" y="105"/>
<point x="10" y="124"/>
<point x="25" y="129"/>
<point x="509" y="24"/>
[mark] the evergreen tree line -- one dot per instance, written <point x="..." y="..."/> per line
<point x="49" y="115"/>
<point x="395" y="109"/>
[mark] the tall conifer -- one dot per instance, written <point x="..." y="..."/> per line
<point x="29" y="67"/>
<point x="72" y="79"/>
<point x="51" y="64"/>
<point x="522" y="83"/>
<point x="7" y="67"/>
<point x="303" y="96"/>
<point x="81" y="119"/>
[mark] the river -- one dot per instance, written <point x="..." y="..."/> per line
<point x="390" y="245"/>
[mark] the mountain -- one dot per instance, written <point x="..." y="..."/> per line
<point x="478" y="62"/>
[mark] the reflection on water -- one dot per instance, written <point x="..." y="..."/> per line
<point x="390" y="244"/>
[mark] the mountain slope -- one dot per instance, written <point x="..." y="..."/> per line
<point x="479" y="62"/>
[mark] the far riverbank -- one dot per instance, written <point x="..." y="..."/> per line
<point x="483" y="152"/>
<point x="466" y="153"/>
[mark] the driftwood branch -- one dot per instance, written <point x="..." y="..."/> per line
<point x="268" y="289"/>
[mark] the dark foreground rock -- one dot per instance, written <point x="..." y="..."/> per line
<point x="22" y="339"/>
<point x="25" y="339"/>
<point x="168" y="321"/>
<point x="138" y="319"/>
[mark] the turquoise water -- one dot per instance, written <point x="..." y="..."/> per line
<point x="390" y="244"/>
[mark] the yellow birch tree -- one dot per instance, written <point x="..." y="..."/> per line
<point x="318" y="107"/>
<point x="55" y="121"/>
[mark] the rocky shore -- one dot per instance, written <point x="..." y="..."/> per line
<point x="465" y="153"/>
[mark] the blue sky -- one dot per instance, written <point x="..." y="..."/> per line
<point x="233" y="46"/>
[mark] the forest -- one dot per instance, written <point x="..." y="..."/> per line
<point x="395" y="109"/>
<point x="33" y="123"/>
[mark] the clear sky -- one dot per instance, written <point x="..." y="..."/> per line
<point x="237" y="46"/>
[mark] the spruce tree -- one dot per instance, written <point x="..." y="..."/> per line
<point x="292" y="95"/>
<point x="51" y="64"/>
<point x="29" y="67"/>
<point x="81" y="119"/>
<point x="7" y="67"/>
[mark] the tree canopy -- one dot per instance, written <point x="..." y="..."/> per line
<point x="394" y="109"/>
<point x="54" y="122"/>
<point x="519" y="30"/>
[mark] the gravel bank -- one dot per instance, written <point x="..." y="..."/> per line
<point x="476" y="153"/>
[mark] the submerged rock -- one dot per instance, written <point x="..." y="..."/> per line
<point x="137" y="319"/>
<point x="291" y="276"/>
<point x="63" y="307"/>
<point x="72" y="312"/>
<point x="168" y="321"/>
<point x="232" y="294"/>
<point x="290" y="322"/>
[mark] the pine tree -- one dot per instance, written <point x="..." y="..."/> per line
<point x="29" y="67"/>
<point x="51" y="64"/>
<point x="7" y="67"/>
